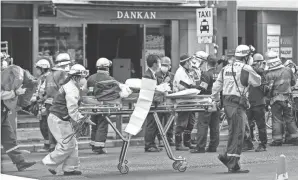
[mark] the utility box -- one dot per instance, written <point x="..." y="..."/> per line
<point x="121" y="69"/>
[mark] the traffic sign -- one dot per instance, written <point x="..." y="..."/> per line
<point x="204" y="22"/>
<point x="205" y="39"/>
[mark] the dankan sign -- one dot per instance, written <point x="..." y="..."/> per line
<point x="136" y="15"/>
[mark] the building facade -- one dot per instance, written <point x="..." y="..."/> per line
<point x="127" y="32"/>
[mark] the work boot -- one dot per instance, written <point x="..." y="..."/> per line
<point x="295" y="141"/>
<point x="276" y="143"/>
<point x="198" y="150"/>
<point x="187" y="140"/>
<point x="45" y="148"/>
<point x="248" y="146"/>
<point x="99" y="150"/>
<point x="261" y="148"/>
<point x="24" y="165"/>
<point x="160" y="143"/>
<point x="73" y="173"/>
<point x="178" y="143"/>
<point x="171" y="142"/>
<point x="210" y="149"/>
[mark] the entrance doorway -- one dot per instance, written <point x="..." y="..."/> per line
<point x="19" y="45"/>
<point x="120" y="43"/>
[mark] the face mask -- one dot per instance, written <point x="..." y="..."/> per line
<point x="294" y="70"/>
<point x="67" y="68"/>
<point x="164" y="69"/>
<point x="250" y="60"/>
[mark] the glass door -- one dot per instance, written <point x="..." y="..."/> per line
<point x="157" y="40"/>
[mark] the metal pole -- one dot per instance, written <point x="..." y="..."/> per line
<point x="232" y="24"/>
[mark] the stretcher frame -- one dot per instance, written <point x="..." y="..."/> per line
<point x="189" y="104"/>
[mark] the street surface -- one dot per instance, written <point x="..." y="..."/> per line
<point x="158" y="166"/>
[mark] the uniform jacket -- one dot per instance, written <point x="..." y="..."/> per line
<point x="226" y="83"/>
<point x="53" y="83"/>
<point x="182" y="75"/>
<point x="93" y="79"/>
<point x="160" y="76"/>
<point x="257" y="95"/>
<point x="40" y="91"/>
<point x="66" y="103"/>
<point x="207" y="80"/>
<point x="283" y="79"/>
<point x="295" y="88"/>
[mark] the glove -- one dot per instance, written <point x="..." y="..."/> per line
<point x="168" y="79"/>
<point x="88" y="120"/>
<point x="33" y="99"/>
<point x="20" y="90"/>
<point x="193" y="134"/>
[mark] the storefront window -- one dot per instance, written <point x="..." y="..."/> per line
<point x="54" y="40"/>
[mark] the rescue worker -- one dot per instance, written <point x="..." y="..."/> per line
<point x="99" y="131"/>
<point x="281" y="79"/>
<point x="42" y="70"/>
<point x="185" y="120"/>
<point x="290" y="64"/>
<point x="164" y="76"/>
<point x="63" y="111"/>
<point x="256" y="97"/>
<point x="207" y="119"/>
<point x="151" y="130"/>
<point x="233" y="81"/>
<point x="52" y="85"/>
<point x="8" y="137"/>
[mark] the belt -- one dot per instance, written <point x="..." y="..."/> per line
<point x="232" y="99"/>
<point x="65" y="118"/>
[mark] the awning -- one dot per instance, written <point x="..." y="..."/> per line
<point x="120" y="1"/>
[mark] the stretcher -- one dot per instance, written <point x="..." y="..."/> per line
<point x="172" y="105"/>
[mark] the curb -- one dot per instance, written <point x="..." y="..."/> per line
<point x="84" y="144"/>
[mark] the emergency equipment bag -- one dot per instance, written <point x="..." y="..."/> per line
<point x="243" y="101"/>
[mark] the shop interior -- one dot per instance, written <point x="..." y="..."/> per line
<point x="124" y="45"/>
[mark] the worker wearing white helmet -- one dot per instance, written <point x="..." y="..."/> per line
<point x="63" y="62"/>
<point x="99" y="131"/>
<point x="281" y="80"/>
<point x="63" y="111"/>
<point x="42" y="70"/>
<point x="257" y="101"/>
<point x="234" y="80"/>
<point x="53" y="82"/>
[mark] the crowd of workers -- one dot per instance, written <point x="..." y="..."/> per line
<point x="244" y="85"/>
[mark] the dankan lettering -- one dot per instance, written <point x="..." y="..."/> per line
<point x="136" y="15"/>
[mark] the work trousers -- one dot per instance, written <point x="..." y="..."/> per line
<point x="282" y="115"/>
<point x="164" y="118"/>
<point x="296" y="110"/>
<point x="184" y="125"/>
<point x="52" y="141"/>
<point x="66" y="151"/>
<point x="8" y="138"/>
<point x="151" y="131"/>
<point x="257" y="113"/>
<point x="236" y="116"/>
<point x="208" y="120"/>
<point x="99" y="132"/>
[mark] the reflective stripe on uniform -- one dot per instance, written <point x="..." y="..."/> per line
<point x="99" y="144"/>
<point x="234" y="155"/>
<point x="12" y="149"/>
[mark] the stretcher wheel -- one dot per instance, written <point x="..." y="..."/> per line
<point x="119" y="166"/>
<point x="124" y="169"/>
<point x="125" y="162"/>
<point x="182" y="167"/>
<point x="175" y="165"/>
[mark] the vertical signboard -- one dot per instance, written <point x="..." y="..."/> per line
<point x="204" y="25"/>
<point x="286" y="47"/>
